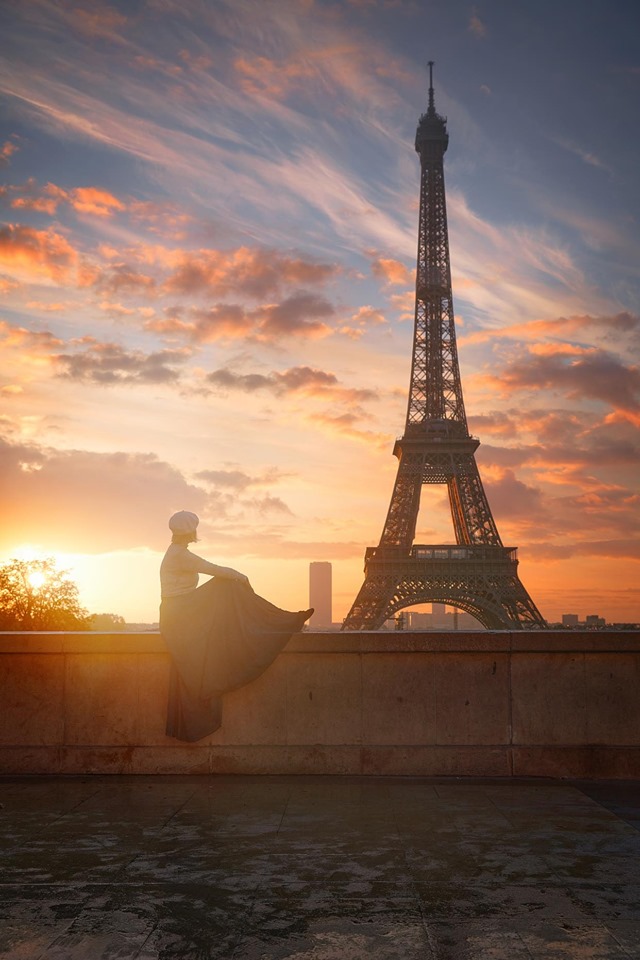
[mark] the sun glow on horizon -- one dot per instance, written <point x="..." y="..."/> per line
<point x="29" y="552"/>
<point x="122" y="582"/>
<point x="37" y="579"/>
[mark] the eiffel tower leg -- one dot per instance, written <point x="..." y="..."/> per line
<point x="497" y="599"/>
<point x="400" y="526"/>
<point x="371" y="607"/>
<point x="520" y="610"/>
<point x="470" y="510"/>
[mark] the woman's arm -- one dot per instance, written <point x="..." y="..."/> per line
<point x="200" y="565"/>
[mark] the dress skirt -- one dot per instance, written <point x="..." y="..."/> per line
<point x="220" y="636"/>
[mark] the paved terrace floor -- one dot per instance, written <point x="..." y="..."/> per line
<point x="318" y="868"/>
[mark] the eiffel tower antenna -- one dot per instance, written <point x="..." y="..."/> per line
<point x="477" y="574"/>
<point x="432" y="108"/>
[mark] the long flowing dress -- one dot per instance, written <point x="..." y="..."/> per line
<point x="220" y="636"/>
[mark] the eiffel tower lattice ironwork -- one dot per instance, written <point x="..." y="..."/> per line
<point x="477" y="574"/>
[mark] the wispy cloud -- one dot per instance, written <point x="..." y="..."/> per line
<point x="586" y="156"/>
<point x="477" y="26"/>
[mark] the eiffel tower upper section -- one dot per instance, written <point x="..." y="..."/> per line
<point x="479" y="575"/>
<point x="435" y="394"/>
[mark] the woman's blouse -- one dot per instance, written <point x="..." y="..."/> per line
<point x="180" y="568"/>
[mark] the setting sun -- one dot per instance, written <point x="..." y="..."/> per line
<point x="37" y="579"/>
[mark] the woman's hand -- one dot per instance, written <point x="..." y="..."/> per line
<point x="228" y="573"/>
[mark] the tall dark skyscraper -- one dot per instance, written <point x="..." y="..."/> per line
<point x="477" y="573"/>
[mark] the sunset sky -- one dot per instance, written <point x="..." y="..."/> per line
<point x="209" y="216"/>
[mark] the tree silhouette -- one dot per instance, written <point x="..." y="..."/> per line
<point x="106" y="622"/>
<point x="35" y="595"/>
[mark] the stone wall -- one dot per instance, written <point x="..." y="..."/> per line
<point x="559" y="704"/>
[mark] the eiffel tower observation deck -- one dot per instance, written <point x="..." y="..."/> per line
<point x="477" y="573"/>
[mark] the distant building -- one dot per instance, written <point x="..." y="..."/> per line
<point x="442" y="620"/>
<point x="438" y="616"/>
<point x="320" y="594"/>
<point x="593" y="620"/>
<point x="419" y="621"/>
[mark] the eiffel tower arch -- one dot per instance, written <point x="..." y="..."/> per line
<point x="477" y="573"/>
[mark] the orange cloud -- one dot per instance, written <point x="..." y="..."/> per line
<point x="116" y="310"/>
<point x="588" y="374"/>
<point x="495" y="424"/>
<point x="39" y="204"/>
<point x="222" y="321"/>
<point x="7" y="150"/>
<point x="577" y="325"/>
<point x="31" y="196"/>
<point x="558" y="350"/>
<point x="36" y="253"/>
<point x="26" y="356"/>
<point x="28" y="340"/>
<point x="346" y="425"/>
<point x="405" y="304"/>
<point x="164" y="219"/>
<point x="47" y="198"/>
<point x="254" y="271"/>
<point x="47" y="307"/>
<point x="296" y="316"/>
<point x="391" y="271"/>
<point x="93" y="200"/>
<point x="361" y="320"/>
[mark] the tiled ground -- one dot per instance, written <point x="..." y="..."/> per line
<point x="318" y="868"/>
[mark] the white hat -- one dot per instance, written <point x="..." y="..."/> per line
<point x="183" y="522"/>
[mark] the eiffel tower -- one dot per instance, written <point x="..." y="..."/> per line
<point x="477" y="574"/>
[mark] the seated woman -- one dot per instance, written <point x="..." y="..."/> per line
<point x="220" y="635"/>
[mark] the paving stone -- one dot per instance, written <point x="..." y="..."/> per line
<point x="325" y="868"/>
<point x="568" y="941"/>
<point x="336" y="938"/>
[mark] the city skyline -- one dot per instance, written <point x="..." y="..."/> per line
<point x="207" y="260"/>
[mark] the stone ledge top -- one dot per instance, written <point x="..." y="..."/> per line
<point x="494" y="641"/>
